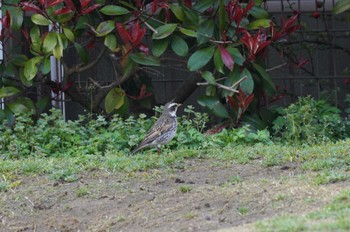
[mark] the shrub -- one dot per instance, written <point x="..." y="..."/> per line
<point x="310" y="121"/>
<point x="52" y="136"/>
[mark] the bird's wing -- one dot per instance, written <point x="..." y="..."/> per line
<point x="159" y="127"/>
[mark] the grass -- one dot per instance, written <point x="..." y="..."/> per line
<point x="320" y="164"/>
<point x="185" y="188"/>
<point x="330" y="160"/>
<point x="333" y="217"/>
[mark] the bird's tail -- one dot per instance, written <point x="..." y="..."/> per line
<point x="135" y="150"/>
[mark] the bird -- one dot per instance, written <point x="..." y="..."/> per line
<point x="163" y="130"/>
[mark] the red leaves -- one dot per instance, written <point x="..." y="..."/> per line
<point x="302" y="62"/>
<point x="188" y="3"/>
<point x="240" y="103"/>
<point x="319" y="4"/>
<point x="84" y="3"/>
<point x="133" y="36"/>
<point x="49" y="3"/>
<point x="255" y="44"/>
<point x="5" y="22"/>
<point x="123" y="33"/>
<point x="27" y="6"/>
<point x="70" y="4"/>
<point x="62" y="11"/>
<point x="90" y="9"/>
<point x="226" y="58"/>
<point x="288" y="27"/>
<point x="67" y="86"/>
<point x="347" y="81"/>
<point x="236" y="13"/>
<point x="316" y="14"/>
<point x="143" y="93"/>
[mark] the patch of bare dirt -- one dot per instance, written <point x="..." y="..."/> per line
<point x="204" y="195"/>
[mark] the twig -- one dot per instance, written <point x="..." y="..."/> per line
<point x="276" y="67"/>
<point x="30" y="201"/>
<point x="150" y="27"/>
<point x="231" y="89"/>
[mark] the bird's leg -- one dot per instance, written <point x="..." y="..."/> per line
<point x="158" y="149"/>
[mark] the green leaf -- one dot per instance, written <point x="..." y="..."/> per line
<point x="178" y="12"/>
<point x="83" y="54"/>
<point x="188" y="32"/>
<point x="341" y="6"/>
<point x="9" y="70"/>
<point x="41" y="104"/>
<point x="19" y="60"/>
<point x="69" y="34"/>
<point x="35" y="37"/>
<point x="143" y="59"/>
<point x="219" y="64"/>
<point x="110" y="42"/>
<point x="82" y="22"/>
<point x="231" y="79"/>
<point x="129" y="68"/>
<point x="114" y="99"/>
<point x="105" y="27"/>
<point x="200" y="58"/>
<point x="17" y="107"/>
<point x="23" y="78"/>
<point x="179" y="46"/>
<point x="209" y="77"/>
<point x="30" y="68"/>
<point x="58" y="50"/>
<point x="8" y="91"/>
<point x="191" y="15"/>
<point x="205" y="31"/>
<point x="259" y="23"/>
<point x="248" y="84"/>
<point x="267" y="82"/>
<point x="214" y="105"/>
<point x="50" y="41"/>
<point x="114" y="10"/>
<point x="159" y="46"/>
<point x="16" y="18"/>
<point x="203" y="5"/>
<point x="222" y="16"/>
<point x="45" y="66"/>
<point x="236" y="54"/>
<point x="210" y="90"/>
<point x="258" y="12"/>
<point x="39" y="19"/>
<point x="164" y="31"/>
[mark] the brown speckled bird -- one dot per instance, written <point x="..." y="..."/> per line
<point x="163" y="130"/>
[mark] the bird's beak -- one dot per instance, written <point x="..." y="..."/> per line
<point x="179" y="104"/>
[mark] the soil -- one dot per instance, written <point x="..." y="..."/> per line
<point x="201" y="195"/>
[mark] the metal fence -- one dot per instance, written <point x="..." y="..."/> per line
<point x="323" y="41"/>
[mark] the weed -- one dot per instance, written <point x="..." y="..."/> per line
<point x="327" y="177"/>
<point x="190" y="215"/>
<point x="310" y="121"/>
<point x="243" y="210"/>
<point x="3" y="186"/>
<point x="82" y="191"/>
<point x="233" y="180"/>
<point x="185" y="188"/>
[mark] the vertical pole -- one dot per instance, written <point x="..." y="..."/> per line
<point x="2" y="103"/>
<point x="57" y="72"/>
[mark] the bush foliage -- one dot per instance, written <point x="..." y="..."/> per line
<point x="52" y="136"/>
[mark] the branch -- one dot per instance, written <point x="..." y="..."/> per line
<point x="81" y="67"/>
<point x="221" y="86"/>
<point x="276" y="67"/>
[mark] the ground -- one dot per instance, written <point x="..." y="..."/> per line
<point x="196" y="195"/>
